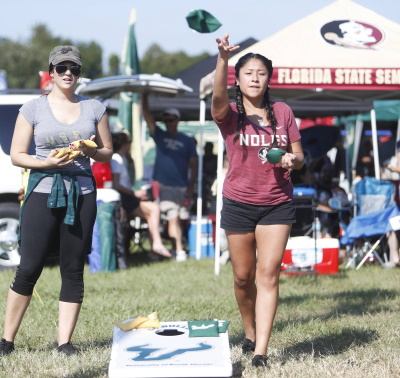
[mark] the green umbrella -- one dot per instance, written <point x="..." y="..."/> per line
<point x="202" y="21"/>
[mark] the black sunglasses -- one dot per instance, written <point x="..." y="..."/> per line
<point x="62" y="68"/>
<point x="168" y="120"/>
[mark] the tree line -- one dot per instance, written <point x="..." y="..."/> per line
<point x="22" y="61"/>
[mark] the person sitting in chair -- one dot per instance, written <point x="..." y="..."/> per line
<point x="134" y="203"/>
<point x="332" y="202"/>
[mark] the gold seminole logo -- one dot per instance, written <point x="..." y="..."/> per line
<point x="349" y="76"/>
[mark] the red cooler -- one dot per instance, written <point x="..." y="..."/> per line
<point x="301" y="255"/>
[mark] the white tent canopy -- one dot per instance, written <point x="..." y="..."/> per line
<point x="312" y="59"/>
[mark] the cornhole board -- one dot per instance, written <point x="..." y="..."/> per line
<point x="168" y="352"/>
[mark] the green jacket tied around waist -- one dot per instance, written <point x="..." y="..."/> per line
<point x="57" y="197"/>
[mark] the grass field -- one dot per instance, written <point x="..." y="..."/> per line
<point x="336" y="326"/>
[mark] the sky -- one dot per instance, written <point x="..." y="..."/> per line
<point x="163" y="21"/>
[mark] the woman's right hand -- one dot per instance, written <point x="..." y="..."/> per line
<point x="224" y="47"/>
<point x="52" y="162"/>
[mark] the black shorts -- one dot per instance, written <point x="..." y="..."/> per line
<point x="243" y="217"/>
<point x="129" y="202"/>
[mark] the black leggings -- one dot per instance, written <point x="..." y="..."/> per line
<point x="43" y="232"/>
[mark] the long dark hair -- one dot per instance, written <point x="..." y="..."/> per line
<point x="266" y="100"/>
<point x="118" y="140"/>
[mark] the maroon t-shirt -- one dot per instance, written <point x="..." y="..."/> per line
<point x="251" y="178"/>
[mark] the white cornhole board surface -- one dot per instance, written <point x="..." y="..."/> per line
<point x="146" y="353"/>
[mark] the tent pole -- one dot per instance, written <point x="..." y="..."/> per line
<point x="348" y="166"/>
<point x="397" y="135"/>
<point x="200" y="181"/>
<point x="357" y="141"/>
<point x="218" y="207"/>
<point x="375" y="144"/>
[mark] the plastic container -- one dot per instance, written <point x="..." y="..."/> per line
<point x="206" y="241"/>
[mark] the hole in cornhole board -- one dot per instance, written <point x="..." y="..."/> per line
<point x="169" y="332"/>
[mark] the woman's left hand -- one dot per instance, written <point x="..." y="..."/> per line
<point x="288" y="161"/>
<point x="87" y="151"/>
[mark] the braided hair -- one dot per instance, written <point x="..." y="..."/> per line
<point x="266" y="100"/>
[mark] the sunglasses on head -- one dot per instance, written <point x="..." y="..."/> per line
<point x="62" y="68"/>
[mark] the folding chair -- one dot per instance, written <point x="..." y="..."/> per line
<point x="367" y="226"/>
<point x="373" y="195"/>
<point x="372" y="198"/>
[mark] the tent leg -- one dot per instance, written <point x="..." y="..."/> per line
<point x="375" y="145"/>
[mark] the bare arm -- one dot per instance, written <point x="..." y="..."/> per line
<point x="104" y="142"/>
<point x="147" y="115"/>
<point x="220" y="99"/>
<point x="294" y="158"/>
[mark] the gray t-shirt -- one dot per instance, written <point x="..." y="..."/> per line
<point x="50" y="134"/>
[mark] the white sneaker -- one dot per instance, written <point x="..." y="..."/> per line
<point x="181" y="256"/>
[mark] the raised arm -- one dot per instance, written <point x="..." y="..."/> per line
<point x="147" y="115"/>
<point x="220" y="99"/>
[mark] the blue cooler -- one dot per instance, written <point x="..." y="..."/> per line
<point x="206" y="241"/>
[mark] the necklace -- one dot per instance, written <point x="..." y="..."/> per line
<point x="260" y="122"/>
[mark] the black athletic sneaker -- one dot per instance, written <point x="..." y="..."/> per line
<point x="259" y="361"/>
<point x="6" y="347"/>
<point x="67" y="349"/>
<point x="248" y="346"/>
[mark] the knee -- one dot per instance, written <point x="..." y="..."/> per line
<point x="268" y="277"/>
<point x="24" y="281"/>
<point x="244" y="281"/>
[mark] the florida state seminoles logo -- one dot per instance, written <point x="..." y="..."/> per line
<point x="262" y="154"/>
<point x="352" y="34"/>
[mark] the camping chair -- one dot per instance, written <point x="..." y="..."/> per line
<point x="374" y="206"/>
<point x="366" y="226"/>
<point x="373" y="195"/>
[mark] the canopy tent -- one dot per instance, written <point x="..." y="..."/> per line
<point x="361" y="63"/>
<point x="383" y="111"/>
<point x="344" y="52"/>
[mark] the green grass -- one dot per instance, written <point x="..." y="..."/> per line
<point x="336" y="326"/>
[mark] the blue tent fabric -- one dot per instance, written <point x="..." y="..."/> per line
<point x="372" y="224"/>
